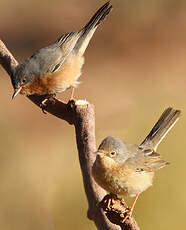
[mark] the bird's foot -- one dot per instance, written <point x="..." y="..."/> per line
<point x="48" y="99"/>
<point x="128" y="214"/>
<point x="111" y="200"/>
<point x="108" y="201"/>
<point x="115" y="208"/>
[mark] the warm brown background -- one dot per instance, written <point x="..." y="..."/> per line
<point x="135" y="68"/>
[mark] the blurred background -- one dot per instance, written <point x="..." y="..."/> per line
<point x="135" y="68"/>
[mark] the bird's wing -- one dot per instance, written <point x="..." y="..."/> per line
<point x="49" y="59"/>
<point x="145" y="160"/>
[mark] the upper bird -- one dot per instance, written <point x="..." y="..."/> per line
<point x="55" y="68"/>
<point x="127" y="169"/>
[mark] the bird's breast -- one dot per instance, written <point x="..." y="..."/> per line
<point x="119" y="179"/>
<point x="58" y="81"/>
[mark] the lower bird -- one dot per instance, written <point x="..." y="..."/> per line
<point x="126" y="169"/>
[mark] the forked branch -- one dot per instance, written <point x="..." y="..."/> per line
<point x="81" y="115"/>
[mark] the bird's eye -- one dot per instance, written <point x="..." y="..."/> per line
<point x="23" y="80"/>
<point x="113" y="153"/>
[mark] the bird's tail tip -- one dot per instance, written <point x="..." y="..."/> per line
<point x="164" y="124"/>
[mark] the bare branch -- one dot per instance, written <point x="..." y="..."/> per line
<point x="6" y="59"/>
<point x="83" y="117"/>
<point x="85" y="136"/>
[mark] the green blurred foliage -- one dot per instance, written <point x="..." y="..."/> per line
<point x="135" y="68"/>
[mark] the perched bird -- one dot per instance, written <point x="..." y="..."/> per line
<point x="127" y="169"/>
<point x="55" y="68"/>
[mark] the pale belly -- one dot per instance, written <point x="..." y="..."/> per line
<point x="123" y="182"/>
<point x="59" y="81"/>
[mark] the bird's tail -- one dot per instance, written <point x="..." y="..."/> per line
<point x="167" y="120"/>
<point x="89" y="29"/>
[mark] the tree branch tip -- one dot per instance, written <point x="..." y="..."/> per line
<point x="81" y="102"/>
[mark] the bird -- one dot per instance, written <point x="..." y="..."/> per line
<point x="125" y="169"/>
<point x="57" y="67"/>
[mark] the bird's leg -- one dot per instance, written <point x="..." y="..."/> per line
<point x="130" y="210"/>
<point x="72" y="93"/>
<point x="134" y="203"/>
<point x="108" y="201"/>
<point x="111" y="199"/>
<point x="49" y="97"/>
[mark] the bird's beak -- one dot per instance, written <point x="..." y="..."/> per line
<point x="99" y="154"/>
<point x="16" y="91"/>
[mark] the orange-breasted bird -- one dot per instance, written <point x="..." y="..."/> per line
<point x="55" y="68"/>
<point x="127" y="169"/>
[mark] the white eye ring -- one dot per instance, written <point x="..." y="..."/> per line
<point x="113" y="153"/>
